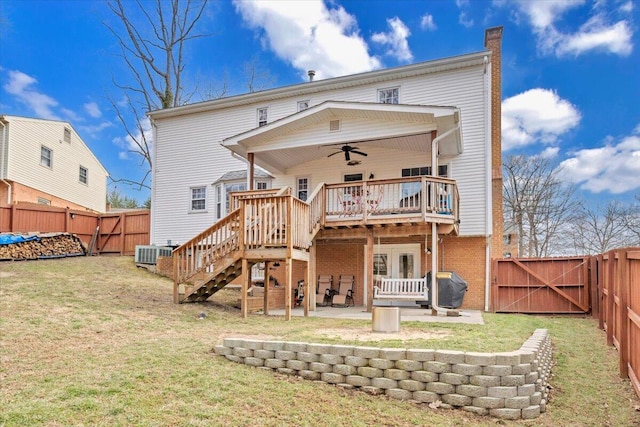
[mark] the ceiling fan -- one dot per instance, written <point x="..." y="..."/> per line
<point x="347" y="150"/>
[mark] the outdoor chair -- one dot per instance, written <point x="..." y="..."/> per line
<point x="344" y="297"/>
<point x="324" y="291"/>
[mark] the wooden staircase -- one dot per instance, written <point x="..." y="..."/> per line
<point x="264" y="226"/>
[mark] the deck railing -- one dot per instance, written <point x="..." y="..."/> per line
<point x="422" y="196"/>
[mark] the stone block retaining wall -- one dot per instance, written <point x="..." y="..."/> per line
<point x="510" y="385"/>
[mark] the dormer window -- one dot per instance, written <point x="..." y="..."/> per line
<point x="389" y="96"/>
<point x="262" y="116"/>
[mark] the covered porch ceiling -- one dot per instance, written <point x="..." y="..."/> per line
<point x="310" y="134"/>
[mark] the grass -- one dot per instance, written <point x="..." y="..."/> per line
<point x="96" y="341"/>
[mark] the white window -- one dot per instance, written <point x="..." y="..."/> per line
<point x="67" y="135"/>
<point x="219" y="201"/>
<point x="261" y="185"/>
<point x="443" y="171"/>
<point x="198" y="199"/>
<point x="262" y="116"/>
<point x="46" y="156"/>
<point x="303" y="105"/>
<point x="232" y="188"/>
<point x="302" y="188"/>
<point x="389" y="96"/>
<point x="84" y="175"/>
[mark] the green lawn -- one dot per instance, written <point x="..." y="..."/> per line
<point x="97" y="342"/>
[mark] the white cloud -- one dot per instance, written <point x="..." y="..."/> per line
<point x="597" y="33"/>
<point x="636" y="130"/>
<point x="536" y="116"/>
<point x="93" y="130"/>
<point x="427" y="22"/>
<point x="70" y="115"/>
<point x="550" y="152"/>
<point x="92" y="109"/>
<point x="463" y="17"/>
<point x="128" y="144"/>
<point x="309" y="36"/>
<point x="21" y="85"/>
<point x="608" y="168"/>
<point x="396" y="39"/>
<point x="627" y="7"/>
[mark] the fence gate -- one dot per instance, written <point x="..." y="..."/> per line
<point x="540" y="285"/>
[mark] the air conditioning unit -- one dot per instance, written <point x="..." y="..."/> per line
<point x="150" y="254"/>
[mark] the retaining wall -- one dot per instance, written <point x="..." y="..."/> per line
<point x="509" y="385"/>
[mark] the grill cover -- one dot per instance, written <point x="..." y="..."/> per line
<point x="451" y="289"/>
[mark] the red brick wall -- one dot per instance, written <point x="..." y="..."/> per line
<point x="466" y="256"/>
<point x="22" y="193"/>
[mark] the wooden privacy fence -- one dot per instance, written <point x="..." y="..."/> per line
<point x="107" y="233"/>
<point x="541" y="285"/>
<point x="606" y="285"/>
<point x="618" y="307"/>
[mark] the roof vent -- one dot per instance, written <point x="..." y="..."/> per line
<point x="311" y="74"/>
<point x="334" y="125"/>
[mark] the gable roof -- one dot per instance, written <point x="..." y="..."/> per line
<point x="335" y="83"/>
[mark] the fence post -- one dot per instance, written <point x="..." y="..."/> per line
<point x="123" y="234"/>
<point x="623" y="339"/>
<point x="610" y="295"/>
<point x="12" y="218"/>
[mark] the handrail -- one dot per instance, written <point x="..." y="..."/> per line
<point x="316" y="210"/>
<point x="199" y="254"/>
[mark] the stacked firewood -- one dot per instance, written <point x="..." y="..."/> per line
<point x="45" y="246"/>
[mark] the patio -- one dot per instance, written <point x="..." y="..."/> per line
<point x="473" y="317"/>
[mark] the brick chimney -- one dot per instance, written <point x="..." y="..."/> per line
<point x="493" y="43"/>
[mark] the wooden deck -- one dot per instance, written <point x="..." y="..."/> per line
<point x="274" y="225"/>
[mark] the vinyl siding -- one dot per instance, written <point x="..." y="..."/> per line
<point x="26" y="136"/>
<point x="188" y="150"/>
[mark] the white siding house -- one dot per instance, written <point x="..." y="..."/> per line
<point x="384" y="130"/>
<point x="46" y="161"/>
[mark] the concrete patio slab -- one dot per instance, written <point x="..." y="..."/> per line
<point x="406" y="314"/>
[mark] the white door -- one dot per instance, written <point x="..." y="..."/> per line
<point x="396" y="261"/>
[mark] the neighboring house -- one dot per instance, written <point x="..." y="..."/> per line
<point x="46" y="162"/>
<point x="385" y="174"/>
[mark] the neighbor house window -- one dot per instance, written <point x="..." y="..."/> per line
<point x="303" y="105"/>
<point x="302" y="188"/>
<point x="388" y="96"/>
<point x="84" y="175"/>
<point x="46" y="156"/>
<point x="67" y="135"/>
<point x="262" y="116"/>
<point x="261" y="185"/>
<point x="198" y="198"/>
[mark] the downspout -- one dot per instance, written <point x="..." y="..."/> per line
<point x="5" y="143"/>
<point x="489" y="189"/>
<point x="434" y="226"/>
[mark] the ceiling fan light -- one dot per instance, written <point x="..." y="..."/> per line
<point x="353" y="163"/>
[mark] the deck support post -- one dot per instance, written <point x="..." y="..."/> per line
<point x="311" y="277"/>
<point x="369" y="264"/>
<point x="307" y="289"/>
<point x="265" y="303"/>
<point x="246" y="277"/>
<point x="287" y="288"/>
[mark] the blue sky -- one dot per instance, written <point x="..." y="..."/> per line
<point x="571" y="68"/>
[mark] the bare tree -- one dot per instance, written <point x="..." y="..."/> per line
<point x="631" y="220"/>
<point x="538" y="203"/>
<point x="256" y="77"/>
<point x="599" y="229"/>
<point x="151" y="41"/>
